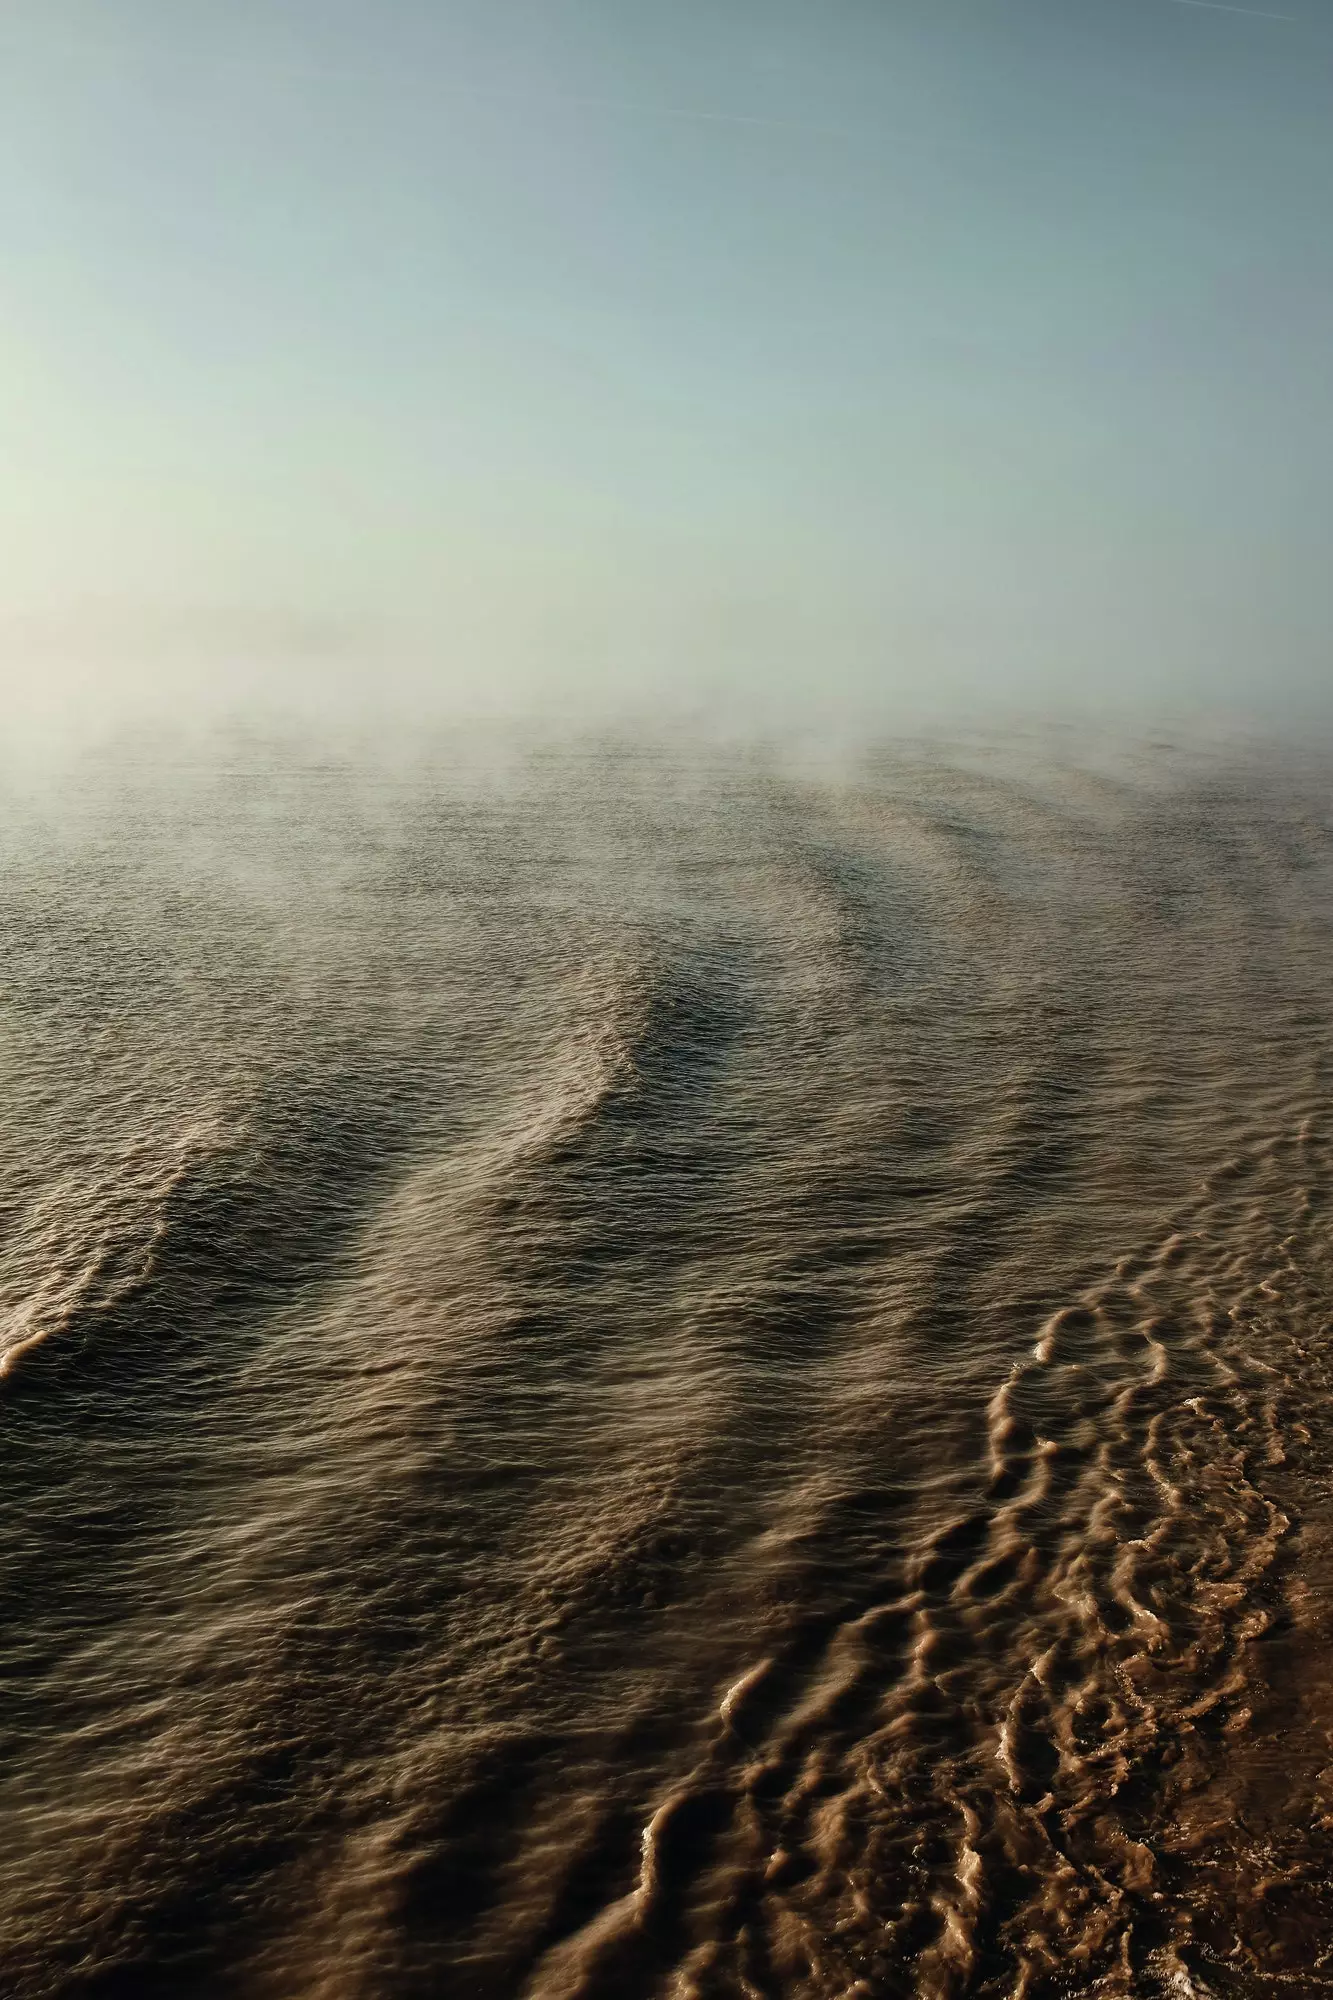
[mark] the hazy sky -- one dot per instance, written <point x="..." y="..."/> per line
<point x="746" y="347"/>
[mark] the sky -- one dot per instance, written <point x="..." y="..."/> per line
<point x="532" y="354"/>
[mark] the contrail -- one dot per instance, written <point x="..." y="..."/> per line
<point x="1217" y="7"/>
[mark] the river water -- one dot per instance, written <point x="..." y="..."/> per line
<point x="667" y="1370"/>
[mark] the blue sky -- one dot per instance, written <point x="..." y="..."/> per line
<point x="760" y="353"/>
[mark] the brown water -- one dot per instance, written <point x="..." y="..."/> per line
<point x="667" y="1374"/>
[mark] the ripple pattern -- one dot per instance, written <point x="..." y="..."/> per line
<point x="667" y="1373"/>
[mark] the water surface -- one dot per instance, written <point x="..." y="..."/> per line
<point x="667" y="1372"/>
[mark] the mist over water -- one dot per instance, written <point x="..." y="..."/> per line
<point x="638" y="1366"/>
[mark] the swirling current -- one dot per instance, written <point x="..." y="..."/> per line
<point x="667" y="1371"/>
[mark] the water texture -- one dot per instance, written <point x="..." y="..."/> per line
<point x="639" y="1372"/>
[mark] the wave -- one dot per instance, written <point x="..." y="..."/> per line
<point x="670" y="1378"/>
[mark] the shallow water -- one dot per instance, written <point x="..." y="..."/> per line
<point x="664" y="1372"/>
